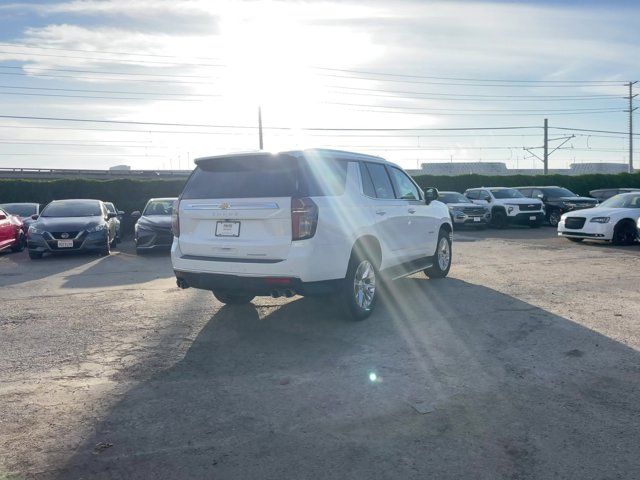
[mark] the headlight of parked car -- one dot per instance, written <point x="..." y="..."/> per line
<point x="97" y="228"/>
<point x="35" y="231"/>
<point x="600" y="220"/>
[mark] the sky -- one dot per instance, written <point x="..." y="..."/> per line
<point x="154" y="84"/>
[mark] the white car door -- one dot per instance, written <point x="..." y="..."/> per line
<point x="388" y="211"/>
<point x="420" y="235"/>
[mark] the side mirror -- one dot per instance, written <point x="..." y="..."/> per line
<point x="430" y="194"/>
<point x="120" y="213"/>
<point x="486" y="199"/>
<point x="3" y="216"/>
<point x="111" y="215"/>
<point x="34" y="216"/>
<point x="136" y="214"/>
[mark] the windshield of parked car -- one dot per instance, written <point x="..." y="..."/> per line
<point x="20" y="209"/>
<point x="158" y="207"/>
<point x="453" y="197"/>
<point x="624" y="200"/>
<point x="506" y="193"/>
<point x="73" y="208"/>
<point x="110" y="207"/>
<point x="558" y="192"/>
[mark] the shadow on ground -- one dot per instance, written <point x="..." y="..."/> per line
<point x="489" y="388"/>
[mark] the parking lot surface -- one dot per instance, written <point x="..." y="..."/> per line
<point x="524" y="363"/>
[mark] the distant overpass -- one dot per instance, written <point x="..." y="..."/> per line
<point x="62" y="173"/>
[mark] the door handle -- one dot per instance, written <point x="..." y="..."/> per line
<point x="381" y="212"/>
<point x="412" y="210"/>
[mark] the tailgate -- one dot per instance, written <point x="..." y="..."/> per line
<point x="247" y="228"/>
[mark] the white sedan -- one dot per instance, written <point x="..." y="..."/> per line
<point x="614" y="220"/>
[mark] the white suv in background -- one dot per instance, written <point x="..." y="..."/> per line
<point x="508" y="205"/>
<point x="305" y="222"/>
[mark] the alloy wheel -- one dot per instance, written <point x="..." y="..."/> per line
<point x="364" y="285"/>
<point x="444" y="253"/>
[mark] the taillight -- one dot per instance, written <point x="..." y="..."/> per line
<point x="175" y="220"/>
<point x="304" y="218"/>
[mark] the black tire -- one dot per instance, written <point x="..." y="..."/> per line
<point x="106" y="251"/>
<point x="35" y="255"/>
<point x="624" y="233"/>
<point x="233" y="298"/>
<point x="360" y="290"/>
<point x="442" y="257"/>
<point x="20" y="244"/>
<point x="554" y="217"/>
<point x="576" y="240"/>
<point x="499" y="219"/>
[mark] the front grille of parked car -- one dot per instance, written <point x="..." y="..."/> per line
<point x="69" y="235"/>
<point x="529" y="207"/>
<point x="474" y="210"/>
<point x="578" y="205"/>
<point x="574" y="223"/>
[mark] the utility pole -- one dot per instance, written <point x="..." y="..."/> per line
<point x="260" y="125"/>
<point x="546" y="146"/>
<point x="631" y="109"/>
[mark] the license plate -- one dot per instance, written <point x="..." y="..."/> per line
<point x="476" y="219"/>
<point x="533" y="217"/>
<point x="65" y="243"/>
<point x="228" y="229"/>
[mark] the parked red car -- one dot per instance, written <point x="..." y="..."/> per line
<point x="11" y="234"/>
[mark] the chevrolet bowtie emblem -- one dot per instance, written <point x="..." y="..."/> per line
<point x="225" y="206"/>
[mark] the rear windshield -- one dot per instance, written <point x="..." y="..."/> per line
<point x="275" y="176"/>
<point x="73" y="208"/>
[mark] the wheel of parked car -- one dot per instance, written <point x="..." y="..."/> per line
<point x="624" y="233"/>
<point x="554" y="217"/>
<point x="442" y="258"/>
<point x="233" y="298"/>
<point x="106" y="249"/>
<point x="499" y="219"/>
<point x="360" y="290"/>
<point x="19" y="245"/>
<point x="35" y="255"/>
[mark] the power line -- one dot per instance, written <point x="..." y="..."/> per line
<point x="130" y="122"/>
<point x="588" y="130"/>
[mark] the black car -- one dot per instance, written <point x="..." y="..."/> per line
<point x="24" y="211"/>
<point x="557" y="200"/>
<point x="72" y="226"/>
<point x="603" y="194"/>
<point x="153" y="228"/>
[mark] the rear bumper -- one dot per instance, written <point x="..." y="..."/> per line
<point x="305" y="261"/>
<point x="259" y="286"/>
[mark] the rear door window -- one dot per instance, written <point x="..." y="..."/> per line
<point x="367" y="184"/>
<point x="381" y="181"/>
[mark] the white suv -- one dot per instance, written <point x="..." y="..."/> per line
<point x="508" y="205"/>
<point x="307" y="222"/>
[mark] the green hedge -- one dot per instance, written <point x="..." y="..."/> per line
<point x="127" y="195"/>
<point x="580" y="184"/>
<point x="130" y="195"/>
